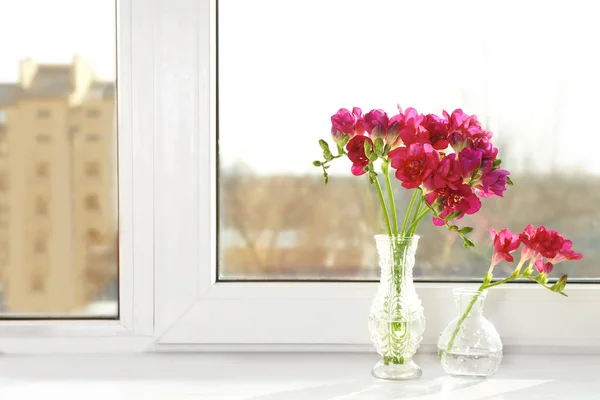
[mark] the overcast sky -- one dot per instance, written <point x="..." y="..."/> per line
<point x="529" y="68"/>
<point x="53" y="31"/>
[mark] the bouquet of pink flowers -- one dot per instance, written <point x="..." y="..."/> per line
<point x="448" y="162"/>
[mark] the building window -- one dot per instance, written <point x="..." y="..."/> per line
<point x="42" y="169"/>
<point x="40" y="245"/>
<point x="41" y="206"/>
<point x="93" y="113"/>
<point x="38" y="283"/>
<point x="92" y="137"/>
<point x="92" y="169"/>
<point x="43" y="113"/>
<point x="91" y="202"/>
<point x="43" y="138"/>
<point x="3" y="181"/>
<point x="94" y="237"/>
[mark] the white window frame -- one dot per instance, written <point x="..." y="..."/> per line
<point x="170" y="298"/>
<point x="195" y="311"/>
<point x="134" y="329"/>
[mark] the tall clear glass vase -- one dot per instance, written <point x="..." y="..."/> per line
<point x="396" y="322"/>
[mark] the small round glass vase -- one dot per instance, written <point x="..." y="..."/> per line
<point x="470" y="345"/>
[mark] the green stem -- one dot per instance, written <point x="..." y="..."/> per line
<point x="410" y="207"/>
<point x="413" y="226"/>
<point x="463" y="317"/>
<point x="417" y="209"/>
<point x="388" y="184"/>
<point x="384" y="207"/>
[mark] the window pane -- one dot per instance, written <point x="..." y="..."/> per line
<point x="286" y="67"/>
<point x="58" y="191"/>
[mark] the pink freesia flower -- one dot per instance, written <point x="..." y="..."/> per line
<point x="412" y="130"/>
<point x="447" y="174"/>
<point x="462" y="126"/>
<point x="395" y="124"/>
<point x="346" y="123"/>
<point x="541" y="241"/>
<point x="356" y="154"/>
<point x="566" y="253"/>
<point x="376" y="123"/>
<point x="470" y="161"/>
<point x="460" y="199"/>
<point x="437" y="129"/>
<point x="492" y="183"/>
<point x="505" y="242"/>
<point x="414" y="163"/>
<point x="543" y="267"/>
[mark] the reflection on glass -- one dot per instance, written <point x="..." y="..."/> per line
<point x="534" y="85"/>
<point x="58" y="210"/>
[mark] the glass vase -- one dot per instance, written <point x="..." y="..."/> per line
<point x="470" y="345"/>
<point x="396" y="322"/>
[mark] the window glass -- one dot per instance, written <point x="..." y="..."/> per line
<point x="528" y="70"/>
<point x="60" y="60"/>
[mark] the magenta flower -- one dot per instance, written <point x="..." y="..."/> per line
<point x="447" y="174"/>
<point x="460" y="199"/>
<point x="462" y="127"/>
<point x="414" y="164"/>
<point x="541" y="241"/>
<point x="505" y="242"/>
<point x="346" y="123"/>
<point x="543" y="267"/>
<point x="376" y="123"/>
<point x="492" y="183"/>
<point x="412" y="130"/>
<point x="566" y="253"/>
<point x="356" y="154"/>
<point x="437" y="129"/>
<point x="470" y="161"/>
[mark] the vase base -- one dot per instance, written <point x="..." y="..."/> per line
<point x="397" y="372"/>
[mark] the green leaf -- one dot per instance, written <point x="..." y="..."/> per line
<point x="326" y="178"/>
<point x="345" y="140"/>
<point x="327" y="155"/>
<point x="372" y="157"/>
<point x="497" y="163"/>
<point x="453" y="228"/>
<point x="317" y="163"/>
<point x="509" y="182"/>
<point x="323" y="144"/>
<point x="379" y="147"/>
<point x="453" y="215"/>
<point x="467" y="243"/>
<point x="465" y="230"/>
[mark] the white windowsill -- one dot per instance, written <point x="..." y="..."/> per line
<point x="285" y="376"/>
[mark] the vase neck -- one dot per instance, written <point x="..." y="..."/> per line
<point x="464" y="299"/>
<point x="396" y="252"/>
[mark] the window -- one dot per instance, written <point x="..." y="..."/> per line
<point x="123" y="317"/>
<point x="43" y="113"/>
<point x="40" y="244"/>
<point x="43" y="138"/>
<point x="2" y="117"/>
<point x="92" y="137"/>
<point x="3" y="181"/>
<point x="41" y="206"/>
<point x="38" y="283"/>
<point x="330" y="313"/>
<point x="91" y="202"/>
<point x="92" y="169"/>
<point x="43" y="82"/>
<point x="93" y="113"/>
<point x="42" y="169"/>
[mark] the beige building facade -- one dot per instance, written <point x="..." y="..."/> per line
<point x="57" y="188"/>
